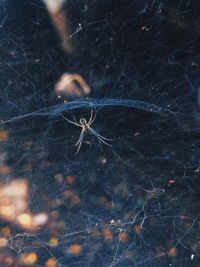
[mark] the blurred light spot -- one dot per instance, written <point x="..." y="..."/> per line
<point x="40" y="219"/>
<point x="107" y="234"/>
<point x="76" y="200"/>
<point x="27" y="259"/>
<point x="172" y="181"/>
<point x="72" y="84"/>
<point x="75" y="249"/>
<point x="54" y="215"/>
<point x="53" y="242"/>
<point x="3" y="242"/>
<point x="53" y="5"/>
<point x="28" y="167"/>
<point x="4" y="170"/>
<point x="70" y="179"/>
<point x="25" y="220"/>
<point x="172" y="252"/>
<point x="105" y="202"/>
<point x="4" y="135"/>
<point x="68" y="194"/>
<point x="123" y="236"/>
<point x="137" y="228"/>
<point x="8" y="262"/>
<point x="14" y="205"/>
<point x="58" y="178"/>
<point x="109" y="205"/>
<point x="60" y="225"/>
<point x="50" y="263"/>
<point x="5" y="231"/>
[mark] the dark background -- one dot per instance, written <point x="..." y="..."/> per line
<point x="137" y="50"/>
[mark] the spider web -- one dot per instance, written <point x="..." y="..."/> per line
<point x="132" y="204"/>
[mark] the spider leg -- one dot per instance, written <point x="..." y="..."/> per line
<point x="104" y="138"/>
<point x="78" y="148"/>
<point x="100" y="137"/>
<point x="80" y="141"/>
<point x="75" y="119"/>
<point x="80" y="138"/>
<point x="92" y="118"/>
<point x="103" y="141"/>
<point x="72" y="122"/>
<point x="91" y="115"/>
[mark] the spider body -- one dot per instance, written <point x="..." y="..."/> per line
<point x="86" y="128"/>
<point x="83" y="123"/>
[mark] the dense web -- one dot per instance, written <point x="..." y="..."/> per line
<point x="132" y="203"/>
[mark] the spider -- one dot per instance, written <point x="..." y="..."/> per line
<point x="86" y="128"/>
